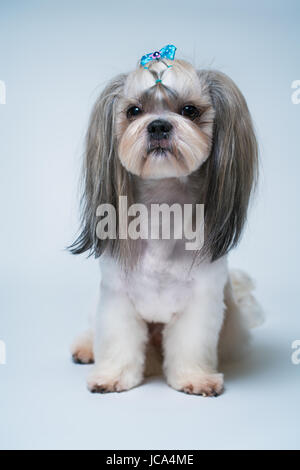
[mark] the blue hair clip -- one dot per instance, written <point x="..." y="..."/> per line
<point x="167" y="52"/>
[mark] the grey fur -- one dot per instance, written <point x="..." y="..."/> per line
<point x="104" y="178"/>
<point x="231" y="170"/>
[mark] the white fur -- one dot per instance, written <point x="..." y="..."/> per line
<point x="250" y="309"/>
<point x="189" y="303"/>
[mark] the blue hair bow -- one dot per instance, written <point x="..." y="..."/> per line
<point x="167" y="52"/>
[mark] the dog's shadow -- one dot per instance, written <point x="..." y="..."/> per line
<point x="261" y="357"/>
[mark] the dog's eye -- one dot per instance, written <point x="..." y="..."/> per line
<point x="133" y="111"/>
<point x="190" y="111"/>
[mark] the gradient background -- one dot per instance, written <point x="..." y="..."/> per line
<point x="55" y="57"/>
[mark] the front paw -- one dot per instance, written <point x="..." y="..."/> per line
<point x="198" y="383"/>
<point x="103" y="382"/>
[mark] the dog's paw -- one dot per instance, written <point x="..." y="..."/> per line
<point x="82" y="349"/>
<point x="102" y="382"/>
<point x="83" y="356"/>
<point x="207" y="385"/>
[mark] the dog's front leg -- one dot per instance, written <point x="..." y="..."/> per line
<point x="191" y="343"/>
<point x="119" y="346"/>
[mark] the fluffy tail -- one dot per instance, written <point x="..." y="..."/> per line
<point x="243" y="287"/>
<point x="242" y="312"/>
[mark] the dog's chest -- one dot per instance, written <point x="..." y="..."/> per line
<point x="160" y="287"/>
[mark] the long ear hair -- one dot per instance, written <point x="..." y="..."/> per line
<point x="230" y="172"/>
<point x="104" y="178"/>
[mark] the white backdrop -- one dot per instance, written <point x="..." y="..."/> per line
<point x="55" y="56"/>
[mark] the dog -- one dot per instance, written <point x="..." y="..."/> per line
<point x="167" y="133"/>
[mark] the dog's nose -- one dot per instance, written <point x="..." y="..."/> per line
<point x="159" y="129"/>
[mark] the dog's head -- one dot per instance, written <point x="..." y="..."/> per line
<point x="164" y="121"/>
<point x="168" y="121"/>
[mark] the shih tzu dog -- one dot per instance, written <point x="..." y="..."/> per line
<point x="167" y="133"/>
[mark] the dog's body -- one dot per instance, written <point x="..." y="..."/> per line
<point x="155" y="291"/>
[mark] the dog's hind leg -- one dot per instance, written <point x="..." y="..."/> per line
<point x="82" y="348"/>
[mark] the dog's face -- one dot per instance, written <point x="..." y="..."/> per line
<point x="164" y="121"/>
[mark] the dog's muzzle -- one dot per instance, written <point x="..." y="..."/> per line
<point x="159" y="134"/>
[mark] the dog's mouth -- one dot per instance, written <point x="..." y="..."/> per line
<point x="159" y="148"/>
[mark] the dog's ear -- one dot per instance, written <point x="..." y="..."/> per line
<point x="231" y="170"/>
<point x="104" y="178"/>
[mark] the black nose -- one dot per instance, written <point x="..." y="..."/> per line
<point x="159" y="129"/>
